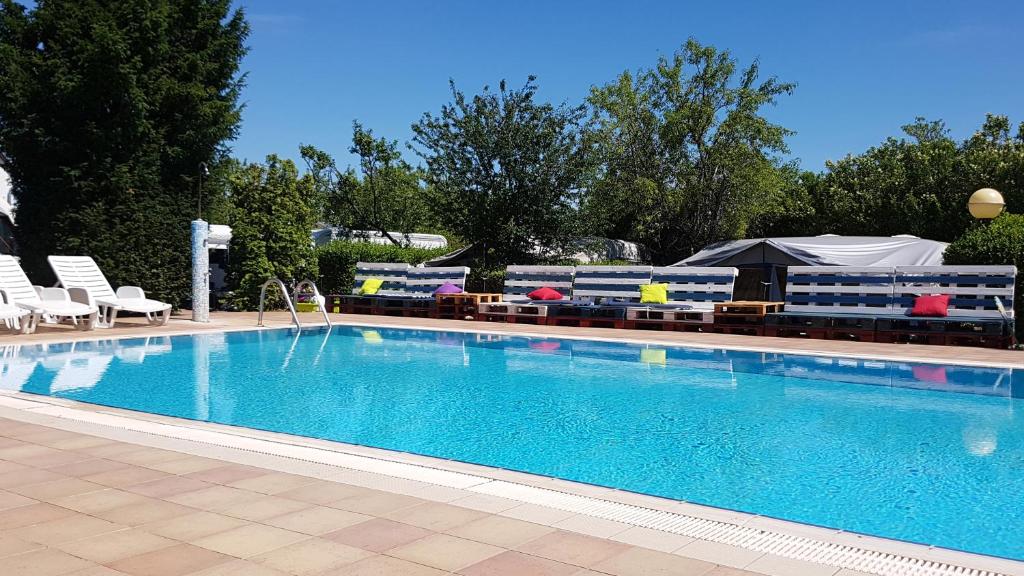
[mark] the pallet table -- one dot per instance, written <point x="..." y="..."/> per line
<point x="743" y="316"/>
<point x="462" y="306"/>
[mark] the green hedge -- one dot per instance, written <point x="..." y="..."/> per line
<point x="337" y="261"/>
<point x="999" y="242"/>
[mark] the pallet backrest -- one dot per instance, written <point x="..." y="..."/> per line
<point x="610" y="283"/>
<point x="840" y="289"/>
<point x="392" y="273"/>
<point x="521" y="280"/>
<point x="972" y="289"/>
<point x="700" y="287"/>
<point x="423" y="281"/>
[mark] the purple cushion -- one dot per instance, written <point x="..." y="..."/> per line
<point x="448" y="288"/>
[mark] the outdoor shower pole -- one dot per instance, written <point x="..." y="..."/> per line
<point x="200" y="271"/>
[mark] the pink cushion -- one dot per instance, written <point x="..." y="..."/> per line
<point x="934" y="305"/>
<point x="448" y="288"/>
<point x="545" y="293"/>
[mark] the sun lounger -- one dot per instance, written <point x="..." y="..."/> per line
<point x="37" y="301"/>
<point x="600" y="296"/>
<point x="516" y="306"/>
<point x="86" y="284"/>
<point x="692" y="294"/>
<point x="393" y="275"/>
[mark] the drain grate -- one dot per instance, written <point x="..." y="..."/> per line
<point x="755" y="539"/>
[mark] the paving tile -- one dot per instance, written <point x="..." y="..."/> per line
<point x="146" y="456"/>
<point x="6" y="466"/>
<point x="777" y="565"/>
<point x="724" y="554"/>
<point x="485" y="503"/>
<point x="53" y="458"/>
<point x="97" y="571"/>
<point x="228" y="473"/>
<point x="193" y="526"/>
<point x="597" y="527"/>
<point x="46" y="562"/>
<point x="54" y="489"/>
<point x="323" y="492"/>
<point x="571" y="548"/>
<point x="518" y="564"/>
<point x="378" y="535"/>
<point x="249" y="540"/>
<point x="82" y="442"/>
<point x="213" y="498"/>
<point x="148" y="510"/>
<point x="500" y="531"/>
<point x="237" y="567"/>
<point x="376" y="503"/>
<point x="642" y="562"/>
<point x="264" y="507"/>
<point x="653" y="539"/>
<point x="175" y="560"/>
<point x="11" y="545"/>
<point x="384" y="566"/>
<point x="272" y="483"/>
<point x="167" y="486"/>
<point x="186" y="465"/>
<point x="445" y="552"/>
<point x="88" y="467"/>
<point x="108" y="449"/>
<point x="114" y="546"/>
<point x="65" y="529"/>
<point x="12" y="500"/>
<point x="317" y="520"/>
<point x="32" y="514"/>
<point x="435" y="516"/>
<point x="27" y="476"/>
<point x="126" y="476"/>
<point x="100" y="500"/>
<point x="537" y="514"/>
<point x="312" y="556"/>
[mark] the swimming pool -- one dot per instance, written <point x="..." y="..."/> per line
<point x="928" y="453"/>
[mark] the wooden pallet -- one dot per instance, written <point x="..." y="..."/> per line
<point x="462" y="306"/>
<point x="747" y="308"/>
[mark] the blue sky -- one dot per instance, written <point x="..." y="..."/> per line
<point x="862" y="68"/>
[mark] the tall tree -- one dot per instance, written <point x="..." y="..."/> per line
<point x="505" y="170"/>
<point x="918" y="184"/>
<point x="270" y="228"/>
<point x="687" y="158"/>
<point x="385" y="196"/>
<point x="107" y="109"/>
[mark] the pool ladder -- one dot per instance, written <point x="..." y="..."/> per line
<point x="291" y="300"/>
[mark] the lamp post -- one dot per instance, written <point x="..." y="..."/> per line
<point x="986" y="204"/>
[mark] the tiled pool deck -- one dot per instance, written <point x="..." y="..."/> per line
<point x="95" y="491"/>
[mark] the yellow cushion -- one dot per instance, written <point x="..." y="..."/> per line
<point x="371" y="286"/>
<point x="654" y="293"/>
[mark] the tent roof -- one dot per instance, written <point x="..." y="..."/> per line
<point x="827" y="250"/>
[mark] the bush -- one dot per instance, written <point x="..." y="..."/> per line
<point x="1000" y="242"/>
<point x="337" y="261"/>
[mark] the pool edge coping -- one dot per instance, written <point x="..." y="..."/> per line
<point x="581" y="499"/>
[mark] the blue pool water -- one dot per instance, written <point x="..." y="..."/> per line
<point x="930" y="454"/>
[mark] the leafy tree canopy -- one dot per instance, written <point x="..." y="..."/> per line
<point x="386" y="195"/>
<point x="687" y="158"/>
<point x="505" y="171"/>
<point x="107" y="109"/>
<point x="270" y="228"/>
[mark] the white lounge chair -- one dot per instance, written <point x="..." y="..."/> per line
<point x="37" y="301"/>
<point x="86" y="283"/>
<point x="13" y="316"/>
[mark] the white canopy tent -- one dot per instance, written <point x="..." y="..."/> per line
<point x="770" y="256"/>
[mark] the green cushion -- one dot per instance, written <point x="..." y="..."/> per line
<point x="653" y="293"/>
<point x="371" y="286"/>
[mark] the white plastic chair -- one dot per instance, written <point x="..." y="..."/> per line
<point x="17" y="291"/>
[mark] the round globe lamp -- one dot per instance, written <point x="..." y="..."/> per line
<point x="986" y="204"/>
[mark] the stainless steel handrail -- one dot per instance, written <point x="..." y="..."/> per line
<point x="284" y="293"/>
<point x="320" y="301"/>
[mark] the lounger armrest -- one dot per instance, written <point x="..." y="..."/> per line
<point x="54" y="295"/>
<point x="81" y="295"/>
<point x="131" y="293"/>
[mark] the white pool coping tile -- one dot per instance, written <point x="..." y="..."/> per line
<point x="723" y="536"/>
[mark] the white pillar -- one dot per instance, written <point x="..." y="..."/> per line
<point x="200" y="271"/>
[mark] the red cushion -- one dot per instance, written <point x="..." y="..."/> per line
<point x="544" y="293"/>
<point x="935" y="305"/>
